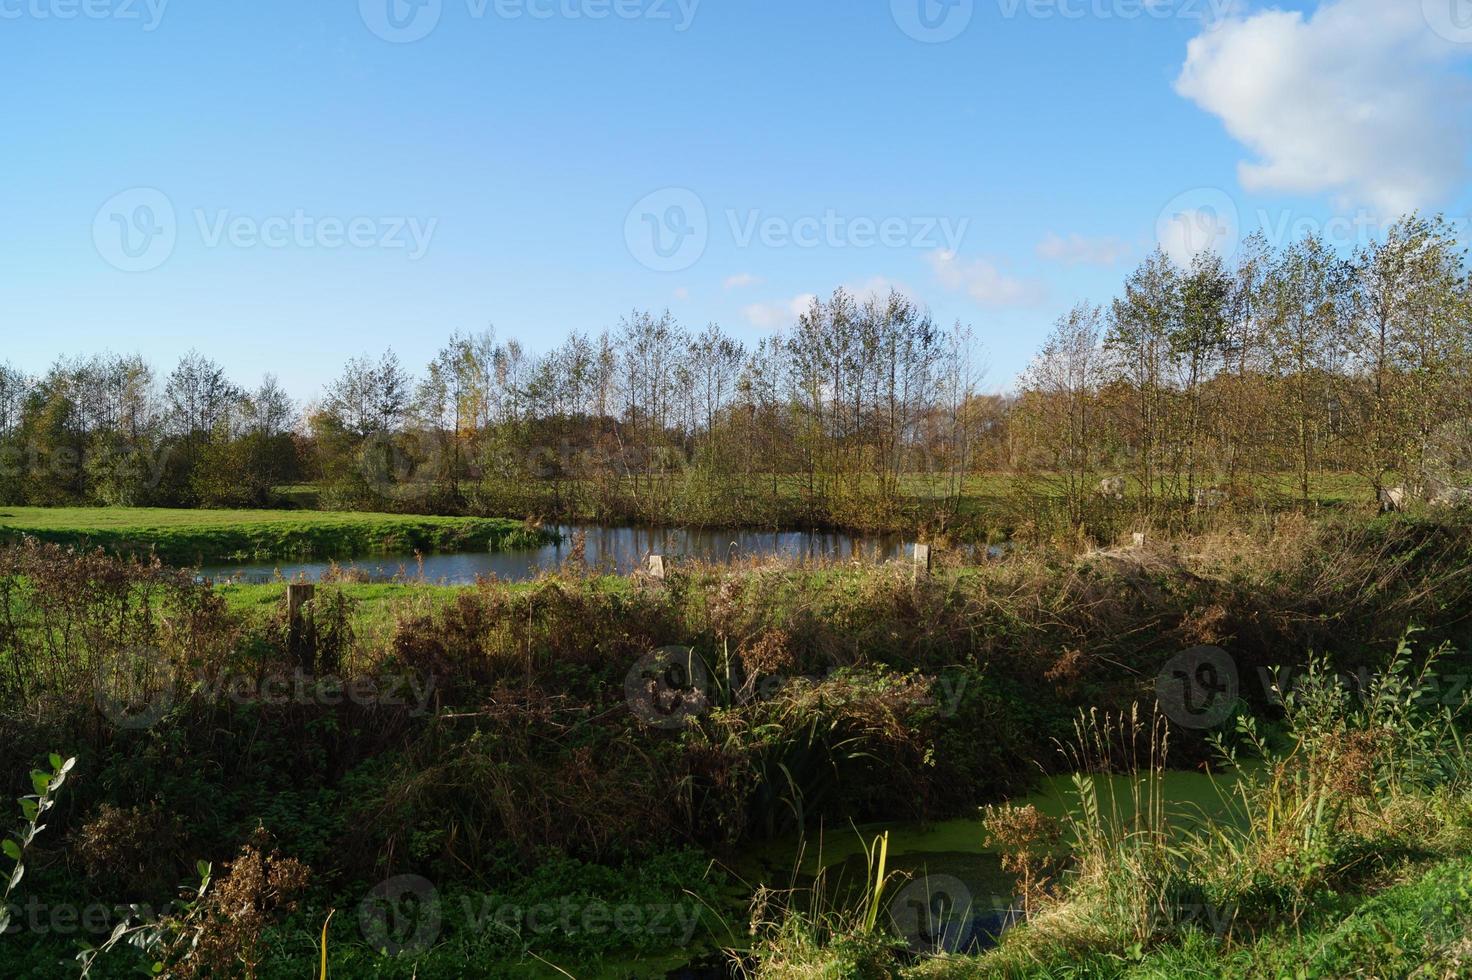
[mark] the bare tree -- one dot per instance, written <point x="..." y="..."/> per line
<point x="1059" y="406"/>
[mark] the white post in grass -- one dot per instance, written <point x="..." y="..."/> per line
<point x="922" y="561"/>
<point x="654" y="565"/>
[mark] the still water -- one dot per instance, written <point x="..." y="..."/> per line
<point x="950" y="893"/>
<point x="614" y="550"/>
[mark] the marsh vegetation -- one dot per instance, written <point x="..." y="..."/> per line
<point x="512" y="747"/>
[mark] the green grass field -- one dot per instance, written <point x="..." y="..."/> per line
<point x="193" y="536"/>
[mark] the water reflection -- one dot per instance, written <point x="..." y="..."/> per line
<point x="613" y="550"/>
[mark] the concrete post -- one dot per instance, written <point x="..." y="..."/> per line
<point x="922" y="561"/>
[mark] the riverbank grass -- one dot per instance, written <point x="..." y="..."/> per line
<point x="1349" y="854"/>
<point x="187" y="537"/>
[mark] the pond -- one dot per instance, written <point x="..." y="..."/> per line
<point x="950" y="893"/>
<point x="614" y="550"/>
<point x="947" y="891"/>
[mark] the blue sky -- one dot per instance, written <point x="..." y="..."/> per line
<point x="320" y="183"/>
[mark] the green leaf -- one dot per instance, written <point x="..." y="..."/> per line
<point x="55" y="761"/>
<point x="29" y="808"/>
<point x="11" y="848"/>
<point x="202" y="868"/>
<point x="42" y="782"/>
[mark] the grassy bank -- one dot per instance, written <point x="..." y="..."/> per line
<point x="1345" y="850"/>
<point x="194" y="536"/>
<point x="514" y="747"/>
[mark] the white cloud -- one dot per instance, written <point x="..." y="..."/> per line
<point x="741" y="280"/>
<point x="1078" y="250"/>
<point x="774" y="316"/>
<point x="682" y="293"/>
<point x="983" y="281"/>
<point x="1360" y="98"/>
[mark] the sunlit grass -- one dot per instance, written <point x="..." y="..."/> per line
<point x="189" y="536"/>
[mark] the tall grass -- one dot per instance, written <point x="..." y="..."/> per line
<point x="835" y="691"/>
<point x="825" y="929"/>
<point x="1353" y="784"/>
<point x="1353" y="790"/>
<point x="1124" y="862"/>
<point x="1354" y="781"/>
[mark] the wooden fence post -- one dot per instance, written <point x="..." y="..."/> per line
<point x="299" y="633"/>
<point x="654" y="565"/>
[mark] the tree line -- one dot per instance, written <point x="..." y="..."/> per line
<point x="1223" y="380"/>
<point x="646" y="420"/>
<point x="1196" y="386"/>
